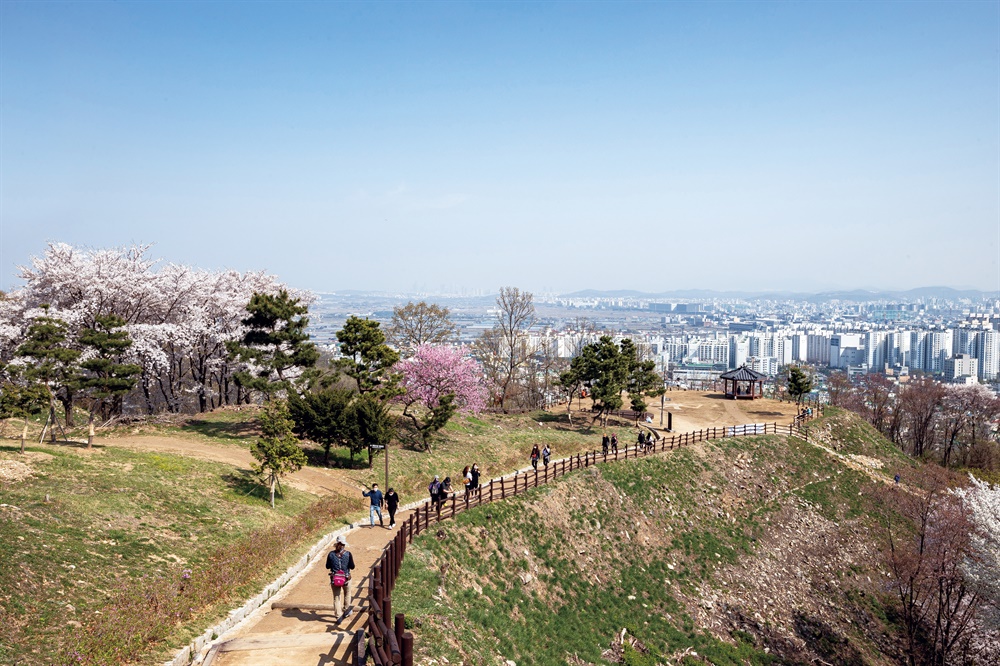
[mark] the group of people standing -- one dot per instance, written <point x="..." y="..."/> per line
<point x="545" y="454"/>
<point x="440" y="490"/>
<point x="609" y="443"/>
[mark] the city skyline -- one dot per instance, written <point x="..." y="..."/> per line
<point x="794" y="147"/>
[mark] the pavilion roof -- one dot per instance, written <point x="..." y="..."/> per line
<point x="743" y="374"/>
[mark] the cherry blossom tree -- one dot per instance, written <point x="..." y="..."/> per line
<point x="437" y="382"/>
<point x="179" y="319"/>
<point x="982" y="502"/>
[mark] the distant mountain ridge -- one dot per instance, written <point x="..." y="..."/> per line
<point x="857" y="295"/>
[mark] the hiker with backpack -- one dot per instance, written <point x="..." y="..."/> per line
<point x="435" y="491"/>
<point x="340" y="562"/>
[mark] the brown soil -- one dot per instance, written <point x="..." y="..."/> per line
<point x="694" y="410"/>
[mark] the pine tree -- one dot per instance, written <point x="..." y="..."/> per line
<point x="276" y="343"/>
<point x="799" y="383"/>
<point x="324" y="415"/>
<point x="368" y="359"/>
<point x="54" y="361"/>
<point x="374" y="425"/>
<point x="22" y="400"/>
<point x="277" y="451"/>
<point x="109" y="379"/>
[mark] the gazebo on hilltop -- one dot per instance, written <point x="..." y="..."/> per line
<point x="743" y="383"/>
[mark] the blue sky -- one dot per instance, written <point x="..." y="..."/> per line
<point x="553" y="146"/>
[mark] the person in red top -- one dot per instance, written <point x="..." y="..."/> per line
<point x="340" y="562"/>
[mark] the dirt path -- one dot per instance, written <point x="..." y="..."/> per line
<point x="315" y="480"/>
<point x="301" y="638"/>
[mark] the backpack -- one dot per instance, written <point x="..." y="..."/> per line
<point x="434" y="488"/>
<point x="338" y="579"/>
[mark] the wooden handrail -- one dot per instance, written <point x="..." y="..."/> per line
<point x="385" y="645"/>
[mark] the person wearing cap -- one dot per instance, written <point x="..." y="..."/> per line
<point x="435" y="490"/>
<point x="340" y="562"/>
<point x="375" y="495"/>
<point x="392" y="503"/>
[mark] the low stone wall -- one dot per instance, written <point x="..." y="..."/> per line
<point x="197" y="650"/>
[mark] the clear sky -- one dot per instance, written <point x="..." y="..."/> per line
<point x="552" y="146"/>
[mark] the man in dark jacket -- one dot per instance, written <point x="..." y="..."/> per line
<point x="392" y="503"/>
<point x="340" y="562"/>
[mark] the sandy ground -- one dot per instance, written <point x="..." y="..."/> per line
<point x="694" y="410"/>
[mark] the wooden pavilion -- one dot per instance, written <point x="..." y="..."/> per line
<point x="743" y="383"/>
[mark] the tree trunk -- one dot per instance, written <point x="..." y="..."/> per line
<point x="45" y="427"/>
<point x="272" y="491"/>
<point x="68" y="402"/>
<point x="90" y="430"/>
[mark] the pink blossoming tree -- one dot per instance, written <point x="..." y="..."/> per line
<point x="438" y="381"/>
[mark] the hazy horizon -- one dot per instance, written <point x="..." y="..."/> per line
<point x="409" y="147"/>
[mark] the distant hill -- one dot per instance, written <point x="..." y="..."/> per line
<point x="856" y="295"/>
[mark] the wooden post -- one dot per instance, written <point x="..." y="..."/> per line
<point x="407" y="649"/>
<point x="387" y="609"/>
<point x="503" y="489"/>
<point x="400" y="628"/>
<point x="491" y="490"/>
<point x="453" y="505"/>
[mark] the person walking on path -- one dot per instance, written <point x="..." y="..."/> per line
<point x="546" y="454"/>
<point x="605" y="441"/>
<point x="375" y="495"/>
<point x="340" y="562"/>
<point x="392" y="503"/>
<point x="614" y="443"/>
<point x="435" y="491"/>
<point x="475" y="478"/>
<point x="467" y="481"/>
<point x="534" y="457"/>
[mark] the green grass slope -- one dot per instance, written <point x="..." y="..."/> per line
<point x="85" y="525"/>
<point x="740" y="551"/>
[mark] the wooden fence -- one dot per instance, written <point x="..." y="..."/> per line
<point x="388" y="642"/>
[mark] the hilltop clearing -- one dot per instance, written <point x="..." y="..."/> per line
<point x="752" y="550"/>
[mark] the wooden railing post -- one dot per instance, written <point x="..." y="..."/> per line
<point x="491" y="490"/>
<point x="407" y="649"/>
<point x="400" y="629"/>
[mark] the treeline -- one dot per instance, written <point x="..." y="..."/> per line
<point x="180" y="321"/>
<point x="954" y="425"/>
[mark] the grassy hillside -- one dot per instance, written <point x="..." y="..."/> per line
<point x="85" y="524"/>
<point x="756" y="550"/>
